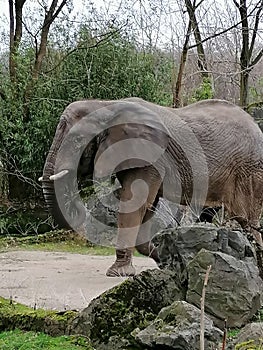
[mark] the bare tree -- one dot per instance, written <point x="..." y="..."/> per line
<point x="193" y="27"/>
<point x="179" y="80"/>
<point x="191" y="9"/>
<point x="247" y="58"/>
<point x="16" y="27"/>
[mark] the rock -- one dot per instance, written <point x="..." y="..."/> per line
<point x="252" y="334"/>
<point x="234" y="291"/>
<point x="132" y="304"/>
<point x="184" y="242"/>
<point x="177" y="247"/>
<point x="178" y="327"/>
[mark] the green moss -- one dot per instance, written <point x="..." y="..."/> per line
<point x="17" y="339"/>
<point x="132" y="304"/>
<point x="15" y="315"/>
<point x="249" y="345"/>
<point x="118" y="314"/>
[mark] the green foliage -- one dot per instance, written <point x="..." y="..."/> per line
<point x="113" y="69"/>
<point x="18" y="340"/>
<point x="116" y="69"/>
<point x="233" y="333"/>
<point x="205" y="91"/>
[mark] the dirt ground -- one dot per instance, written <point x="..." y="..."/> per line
<point x="60" y="281"/>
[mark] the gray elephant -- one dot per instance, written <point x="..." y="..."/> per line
<point x="206" y="154"/>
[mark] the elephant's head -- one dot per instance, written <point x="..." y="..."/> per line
<point x="59" y="180"/>
<point x="85" y="133"/>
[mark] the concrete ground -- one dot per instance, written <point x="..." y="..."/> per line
<point x="54" y="280"/>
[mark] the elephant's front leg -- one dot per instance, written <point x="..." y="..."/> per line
<point x="143" y="244"/>
<point x="139" y="190"/>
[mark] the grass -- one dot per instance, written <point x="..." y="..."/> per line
<point x="57" y="241"/>
<point x="68" y="247"/>
<point x="19" y="340"/>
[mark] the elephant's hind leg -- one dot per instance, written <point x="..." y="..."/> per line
<point x="139" y="190"/>
<point x="247" y="204"/>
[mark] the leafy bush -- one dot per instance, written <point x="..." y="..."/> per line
<point x="205" y="91"/>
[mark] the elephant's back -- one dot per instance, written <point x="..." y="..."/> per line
<point x="228" y="138"/>
<point x="221" y="127"/>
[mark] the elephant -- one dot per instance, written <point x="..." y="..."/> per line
<point x="206" y="154"/>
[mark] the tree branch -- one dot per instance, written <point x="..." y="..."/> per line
<point x="202" y="317"/>
<point x="256" y="59"/>
<point x="197" y="5"/>
<point x="48" y="20"/>
<point x="236" y="3"/>
<point x="202" y="64"/>
<point x="255" y="29"/>
<point x="222" y="32"/>
<point x="178" y="84"/>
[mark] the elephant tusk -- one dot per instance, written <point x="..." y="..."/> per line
<point x="40" y="178"/>
<point x="58" y="175"/>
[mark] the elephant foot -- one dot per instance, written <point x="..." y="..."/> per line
<point x="123" y="264"/>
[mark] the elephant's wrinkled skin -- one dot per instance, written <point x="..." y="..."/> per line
<point x="206" y="154"/>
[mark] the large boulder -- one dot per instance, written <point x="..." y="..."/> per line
<point x="235" y="289"/>
<point x="178" y="327"/>
<point x="178" y="246"/>
<point x="110" y="318"/>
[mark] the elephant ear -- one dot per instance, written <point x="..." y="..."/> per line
<point x="136" y="137"/>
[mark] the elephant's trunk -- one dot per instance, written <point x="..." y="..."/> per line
<point x="60" y="194"/>
<point x="52" y="204"/>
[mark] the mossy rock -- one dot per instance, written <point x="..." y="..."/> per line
<point x="132" y="304"/>
<point x="18" y="316"/>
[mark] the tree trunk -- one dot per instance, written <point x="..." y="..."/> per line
<point x="202" y="64"/>
<point x="15" y="35"/>
<point x="178" y="84"/>
<point x="244" y="57"/>
<point x="246" y="61"/>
